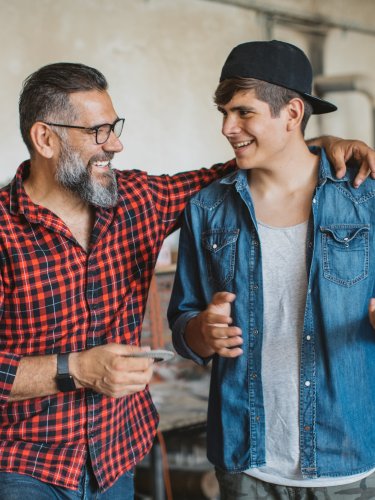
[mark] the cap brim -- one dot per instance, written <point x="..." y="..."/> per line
<point x="319" y="105"/>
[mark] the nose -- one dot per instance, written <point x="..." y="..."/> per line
<point x="113" y="144"/>
<point x="230" y="126"/>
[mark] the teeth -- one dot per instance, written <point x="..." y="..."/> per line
<point x="241" y="144"/>
<point x="101" y="163"/>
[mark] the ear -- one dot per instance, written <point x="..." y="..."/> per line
<point x="296" y="110"/>
<point x="44" y="140"/>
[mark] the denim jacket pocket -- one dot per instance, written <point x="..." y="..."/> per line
<point x="345" y="250"/>
<point x="220" y="252"/>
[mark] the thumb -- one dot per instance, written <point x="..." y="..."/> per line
<point x="222" y="298"/>
<point x="220" y="303"/>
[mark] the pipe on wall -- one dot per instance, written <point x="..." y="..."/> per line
<point x="344" y="83"/>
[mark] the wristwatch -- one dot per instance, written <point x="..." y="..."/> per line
<point x="65" y="382"/>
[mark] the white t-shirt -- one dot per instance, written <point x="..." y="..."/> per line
<point x="284" y="293"/>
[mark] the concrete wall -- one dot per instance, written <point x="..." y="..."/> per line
<point x="162" y="59"/>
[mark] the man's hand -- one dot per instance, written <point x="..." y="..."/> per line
<point x="105" y="370"/>
<point x="340" y="151"/>
<point x="210" y="333"/>
<point x="371" y="312"/>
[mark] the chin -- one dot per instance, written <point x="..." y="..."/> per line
<point x="245" y="165"/>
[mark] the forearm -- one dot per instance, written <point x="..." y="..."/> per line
<point x="322" y="141"/>
<point x="106" y="369"/>
<point x="36" y="377"/>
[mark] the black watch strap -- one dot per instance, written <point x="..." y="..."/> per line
<point x="65" y="382"/>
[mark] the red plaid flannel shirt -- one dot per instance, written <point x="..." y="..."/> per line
<point x="55" y="297"/>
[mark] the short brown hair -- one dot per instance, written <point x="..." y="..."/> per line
<point x="275" y="96"/>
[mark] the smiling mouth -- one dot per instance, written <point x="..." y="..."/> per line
<point x="240" y="145"/>
<point x="101" y="164"/>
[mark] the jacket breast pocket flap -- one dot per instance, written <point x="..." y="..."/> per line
<point x="345" y="249"/>
<point x="220" y="251"/>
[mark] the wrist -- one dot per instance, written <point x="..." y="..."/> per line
<point x="64" y="379"/>
<point x="74" y="368"/>
<point x="195" y="338"/>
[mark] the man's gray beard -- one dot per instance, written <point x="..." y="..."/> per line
<point x="73" y="175"/>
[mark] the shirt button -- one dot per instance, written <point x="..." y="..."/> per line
<point x="256" y="331"/>
<point x="254" y="375"/>
<point x="314" y="200"/>
<point x="307" y="383"/>
<point x="214" y="246"/>
<point x="308" y="337"/>
<point x="307" y="428"/>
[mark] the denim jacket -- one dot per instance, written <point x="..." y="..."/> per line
<point x="220" y="250"/>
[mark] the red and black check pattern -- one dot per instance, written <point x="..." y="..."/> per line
<point x="55" y="297"/>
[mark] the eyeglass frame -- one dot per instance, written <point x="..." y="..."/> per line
<point x="93" y="129"/>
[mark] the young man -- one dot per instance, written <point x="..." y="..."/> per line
<point x="273" y="284"/>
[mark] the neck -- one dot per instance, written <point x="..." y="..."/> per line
<point x="290" y="171"/>
<point x="282" y="193"/>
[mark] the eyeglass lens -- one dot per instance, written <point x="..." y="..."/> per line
<point x="103" y="132"/>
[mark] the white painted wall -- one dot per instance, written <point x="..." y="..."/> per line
<point x="162" y="59"/>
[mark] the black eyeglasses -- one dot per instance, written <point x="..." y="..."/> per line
<point x="102" y="132"/>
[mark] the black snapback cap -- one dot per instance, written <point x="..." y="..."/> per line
<point x="275" y="62"/>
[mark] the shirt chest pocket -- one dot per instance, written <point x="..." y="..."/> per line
<point x="220" y="252"/>
<point x="345" y="250"/>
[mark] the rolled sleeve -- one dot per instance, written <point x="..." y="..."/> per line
<point x="8" y="368"/>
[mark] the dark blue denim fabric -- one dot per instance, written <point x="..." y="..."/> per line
<point x="14" y="486"/>
<point x="220" y="250"/>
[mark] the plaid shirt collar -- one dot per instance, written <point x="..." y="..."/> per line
<point x="20" y="203"/>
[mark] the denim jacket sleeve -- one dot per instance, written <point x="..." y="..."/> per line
<point x="187" y="300"/>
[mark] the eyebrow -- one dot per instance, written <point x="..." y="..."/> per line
<point x="106" y="123"/>
<point x="236" y="108"/>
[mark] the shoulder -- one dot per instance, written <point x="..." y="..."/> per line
<point x="215" y="193"/>
<point x="4" y="199"/>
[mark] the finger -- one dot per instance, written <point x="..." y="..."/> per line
<point x="227" y="343"/>
<point x="230" y="353"/>
<point x="224" y="333"/>
<point x="371" y="162"/>
<point x="222" y="298"/>
<point x="338" y="161"/>
<point x="371" y="312"/>
<point x="128" y="390"/>
<point x="362" y="174"/>
<point x="213" y="318"/>
<point x="129" y="364"/>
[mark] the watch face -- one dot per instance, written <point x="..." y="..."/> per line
<point x="65" y="383"/>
